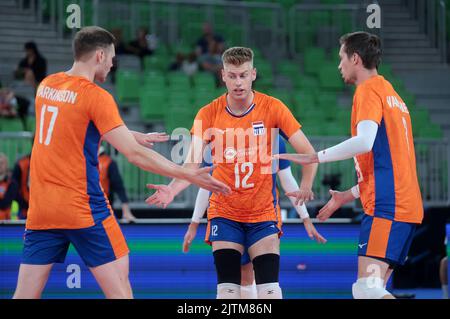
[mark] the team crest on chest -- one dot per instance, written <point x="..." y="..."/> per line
<point x="258" y="128"/>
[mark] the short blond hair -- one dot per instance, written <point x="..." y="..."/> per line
<point x="237" y="56"/>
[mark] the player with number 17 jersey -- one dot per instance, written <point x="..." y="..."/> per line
<point x="72" y="113"/>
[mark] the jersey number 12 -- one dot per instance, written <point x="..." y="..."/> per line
<point x="244" y="167"/>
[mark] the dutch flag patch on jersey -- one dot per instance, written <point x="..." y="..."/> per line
<point x="258" y="128"/>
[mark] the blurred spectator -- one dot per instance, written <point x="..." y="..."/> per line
<point x="178" y="63"/>
<point x="21" y="177"/>
<point x="12" y="105"/>
<point x="187" y="65"/>
<point x="33" y="68"/>
<point x="143" y="45"/>
<point x="204" y="42"/>
<point x="190" y="65"/>
<point x="212" y="60"/>
<point x="112" y="183"/>
<point x="18" y="188"/>
<point x="5" y="209"/>
<point x="8" y="103"/>
<point x="120" y="46"/>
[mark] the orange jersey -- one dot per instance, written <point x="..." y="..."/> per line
<point x="245" y="164"/>
<point x="72" y="114"/>
<point x="387" y="175"/>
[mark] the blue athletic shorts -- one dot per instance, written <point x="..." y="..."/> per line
<point x="385" y="239"/>
<point x="246" y="234"/>
<point x="96" y="245"/>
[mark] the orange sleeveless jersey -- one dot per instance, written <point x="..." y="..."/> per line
<point x="387" y="175"/>
<point x="243" y="165"/>
<point x="72" y="114"/>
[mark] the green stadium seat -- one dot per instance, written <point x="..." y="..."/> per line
<point x="127" y="85"/>
<point x="11" y="125"/>
<point x="204" y="81"/>
<point x="153" y="104"/>
<point x="155" y="62"/>
<point x="178" y="117"/>
<point x="289" y="68"/>
<point x="179" y="81"/>
<point x="303" y="101"/>
<point x="155" y="81"/>
<point x="314" y="57"/>
<point x="330" y="77"/>
<point x="306" y="83"/>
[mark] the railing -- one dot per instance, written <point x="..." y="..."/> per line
<point x="432" y="157"/>
<point x="431" y="15"/>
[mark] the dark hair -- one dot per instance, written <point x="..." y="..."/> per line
<point x="89" y="39"/>
<point x="31" y="46"/>
<point x="366" y="45"/>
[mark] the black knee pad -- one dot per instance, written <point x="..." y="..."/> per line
<point x="228" y="266"/>
<point x="267" y="268"/>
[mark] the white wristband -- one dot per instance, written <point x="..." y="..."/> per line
<point x="355" y="191"/>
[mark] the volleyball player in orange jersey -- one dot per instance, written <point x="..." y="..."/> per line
<point x="67" y="205"/>
<point x="383" y="149"/>
<point x="241" y="127"/>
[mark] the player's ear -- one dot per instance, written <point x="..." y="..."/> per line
<point x="223" y="74"/>
<point x="254" y="74"/>
<point x="355" y="58"/>
<point x="100" y="55"/>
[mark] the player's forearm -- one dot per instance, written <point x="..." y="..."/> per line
<point x="151" y="161"/>
<point x="289" y="184"/>
<point x="177" y="184"/>
<point x="201" y="204"/>
<point x="308" y="175"/>
<point x="359" y="144"/>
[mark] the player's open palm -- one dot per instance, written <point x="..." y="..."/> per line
<point x="336" y="201"/>
<point x="147" y="140"/>
<point x="312" y="231"/>
<point x="189" y="236"/>
<point x="162" y="197"/>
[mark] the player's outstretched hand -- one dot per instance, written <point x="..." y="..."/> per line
<point x="336" y="201"/>
<point x="189" y="236"/>
<point x="202" y="178"/>
<point x="162" y="197"/>
<point x="302" y="159"/>
<point x="302" y="196"/>
<point x="147" y="140"/>
<point x="312" y="232"/>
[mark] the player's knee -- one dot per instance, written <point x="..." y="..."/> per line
<point x="369" y="288"/>
<point x="228" y="266"/>
<point x="267" y="268"/>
